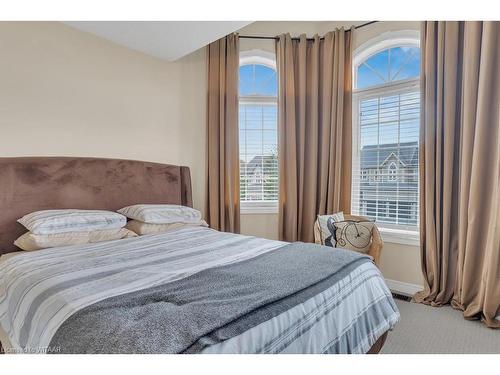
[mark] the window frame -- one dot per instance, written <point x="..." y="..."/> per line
<point x="391" y="232"/>
<point x="390" y="39"/>
<point x="258" y="57"/>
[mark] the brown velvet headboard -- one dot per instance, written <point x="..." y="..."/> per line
<point x="30" y="184"/>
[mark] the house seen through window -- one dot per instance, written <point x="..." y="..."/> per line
<point x="386" y="109"/>
<point x="258" y="136"/>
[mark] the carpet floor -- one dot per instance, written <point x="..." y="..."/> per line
<point x="439" y="330"/>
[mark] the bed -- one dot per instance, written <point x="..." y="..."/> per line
<point x="192" y="290"/>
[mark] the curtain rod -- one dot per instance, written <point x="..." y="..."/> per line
<point x="296" y="38"/>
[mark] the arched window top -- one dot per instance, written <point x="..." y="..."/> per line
<point x="389" y="58"/>
<point x="257" y="74"/>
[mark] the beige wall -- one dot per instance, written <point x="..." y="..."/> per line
<point x="68" y="93"/>
<point x="401" y="263"/>
<point x="398" y="262"/>
<point x="260" y="225"/>
<point x="65" y="92"/>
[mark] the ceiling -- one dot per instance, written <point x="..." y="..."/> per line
<point x="168" y="40"/>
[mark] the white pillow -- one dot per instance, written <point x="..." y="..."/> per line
<point x="146" y="228"/>
<point x="162" y="213"/>
<point x="71" y="220"/>
<point x="30" y="241"/>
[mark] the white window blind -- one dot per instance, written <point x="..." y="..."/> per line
<point x="385" y="156"/>
<point x="258" y="150"/>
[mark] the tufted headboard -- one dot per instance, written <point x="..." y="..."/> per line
<point x="30" y="184"/>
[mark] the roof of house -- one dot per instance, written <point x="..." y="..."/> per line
<point x="257" y="161"/>
<point x="375" y="155"/>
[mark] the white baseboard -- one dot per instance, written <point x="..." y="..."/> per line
<point x="403" y="288"/>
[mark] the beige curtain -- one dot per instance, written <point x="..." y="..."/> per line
<point x="223" y="178"/>
<point x="460" y="167"/>
<point x="314" y="122"/>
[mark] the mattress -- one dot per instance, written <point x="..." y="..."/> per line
<point x="40" y="291"/>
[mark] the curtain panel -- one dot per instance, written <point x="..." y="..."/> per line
<point x="314" y="129"/>
<point x="460" y="167"/>
<point x="223" y="175"/>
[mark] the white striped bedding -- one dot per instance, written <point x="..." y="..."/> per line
<point x="314" y="326"/>
<point x="33" y="304"/>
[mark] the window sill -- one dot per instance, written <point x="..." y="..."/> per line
<point x="403" y="237"/>
<point x="255" y="208"/>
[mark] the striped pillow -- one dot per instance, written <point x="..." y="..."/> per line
<point x="162" y="213"/>
<point x="71" y="220"/>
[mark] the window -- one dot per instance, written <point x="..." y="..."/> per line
<point x="386" y="110"/>
<point x="393" y="172"/>
<point x="389" y="66"/>
<point x="258" y="133"/>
